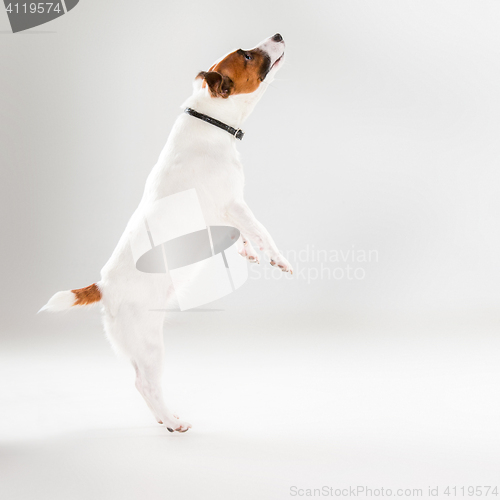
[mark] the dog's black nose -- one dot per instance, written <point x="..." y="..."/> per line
<point x="277" y="38"/>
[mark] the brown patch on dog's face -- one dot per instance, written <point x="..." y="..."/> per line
<point x="240" y="72"/>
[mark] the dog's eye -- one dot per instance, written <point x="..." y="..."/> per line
<point x="248" y="57"/>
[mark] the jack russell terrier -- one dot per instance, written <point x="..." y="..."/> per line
<point x="200" y="153"/>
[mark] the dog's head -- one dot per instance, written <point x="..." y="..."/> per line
<point x="244" y="71"/>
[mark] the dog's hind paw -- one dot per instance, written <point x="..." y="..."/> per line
<point x="174" y="424"/>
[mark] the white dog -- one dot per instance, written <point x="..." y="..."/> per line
<point x="200" y="153"/>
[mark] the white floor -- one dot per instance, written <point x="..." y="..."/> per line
<point x="281" y="403"/>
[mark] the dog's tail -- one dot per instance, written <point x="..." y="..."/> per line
<point x="63" y="301"/>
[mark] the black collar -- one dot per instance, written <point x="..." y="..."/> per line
<point x="236" y="132"/>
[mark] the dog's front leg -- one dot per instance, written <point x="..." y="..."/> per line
<point x="240" y="215"/>
<point x="245" y="249"/>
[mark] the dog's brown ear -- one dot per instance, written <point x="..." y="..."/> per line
<point x="218" y="84"/>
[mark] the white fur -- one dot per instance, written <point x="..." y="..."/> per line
<point x="61" y="301"/>
<point x="197" y="155"/>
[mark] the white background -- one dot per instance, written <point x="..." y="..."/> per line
<point x="380" y="133"/>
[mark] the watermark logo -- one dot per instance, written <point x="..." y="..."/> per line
<point x="312" y="264"/>
<point x="26" y="15"/>
<point x="174" y="245"/>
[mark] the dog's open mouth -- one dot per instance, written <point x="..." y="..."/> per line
<point x="275" y="63"/>
<point x="277" y="60"/>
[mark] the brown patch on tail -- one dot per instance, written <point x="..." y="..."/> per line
<point x="87" y="295"/>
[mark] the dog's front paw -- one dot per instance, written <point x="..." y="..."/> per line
<point x="248" y="251"/>
<point x="282" y="263"/>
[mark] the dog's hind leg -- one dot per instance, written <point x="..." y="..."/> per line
<point x="139" y="335"/>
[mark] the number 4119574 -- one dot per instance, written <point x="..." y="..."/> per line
<point x="471" y="491"/>
<point x="33" y="8"/>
